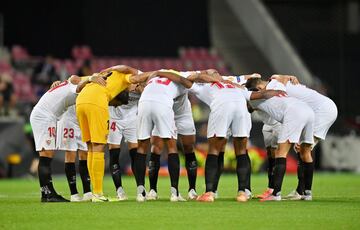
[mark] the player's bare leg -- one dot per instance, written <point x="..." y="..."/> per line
<point x="48" y="193"/>
<point x="297" y="194"/>
<point x="220" y="170"/>
<point x="97" y="163"/>
<point x="70" y="172"/>
<point x="89" y="161"/>
<point x="140" y="168"/>
<point x="132" y="152"/>
<point x="115" y="172"/>
<point x="188" y="143"/>
<point x="157" y="146"/>
<point x="84" y="175"/>
<point x="271" y="163"/>
<point x="174" y="169"/>
<point x="308" y="169"/>
<point x="300" y="190"/>
<point x="303" y="151"/>
<point x="216" y="144"/>
<point x="243" y="169"/>
<point x="279" y="170"/>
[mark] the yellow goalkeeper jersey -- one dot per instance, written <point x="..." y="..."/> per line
<point x="99" y="95"/>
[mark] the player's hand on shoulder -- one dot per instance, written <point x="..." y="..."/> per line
<point x="54" y="84"/>
<point x="254" y="75"/>
<point x="294" y="80"/>
<point x="226" y="81"/>
<point x="275" y="77"/>
<point x="123" y="69"/>
<point x="285" y="78"/>
<point x="98" y="79"/>
<point x="114" y="68"/>
<point x="274" y="93"/>
<point x="214" y="73"/>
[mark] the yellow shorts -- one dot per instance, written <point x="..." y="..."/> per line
<point x="94" y="123"/>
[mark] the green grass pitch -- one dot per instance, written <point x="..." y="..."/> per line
<point x="336" y="205"/>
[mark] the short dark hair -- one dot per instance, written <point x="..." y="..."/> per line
<point x="252" y="83"/>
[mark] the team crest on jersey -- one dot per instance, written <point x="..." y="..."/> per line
<point x="48" y="142"/>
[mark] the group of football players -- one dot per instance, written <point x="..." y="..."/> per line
<point x="151" y="110"/>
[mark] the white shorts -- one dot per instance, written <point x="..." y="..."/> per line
<point x="152" y="114"/>
<point x="231" y="116"/>
<point x="298" y="125"/>
<point x="44" y="130"/>
<point x="271" y="133"/>
<point x="184" y="120"/>
<point x="69" y="135"/>
<point x="325" y="116"/>
<point x="122" y="128"/>
<point x="185" y="124"/>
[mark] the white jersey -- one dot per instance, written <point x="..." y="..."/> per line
<point x="162" y="90"/>
<point x="311" y="97"/>
<point x="215" y="94"/>
<point x="296" y="117"/>
<point x="68" y="135"/>
<point x="182" y="105"/>
<point x="47" y="112"/>
<point x="275" y="107"/>
<point x="156" y="108"/>
<point x="235" y="118"/>
<point x="266" y="119"/>
<point x="70" y="115"/>
<point x="56" y="101"/>
<point x="324" y="108"/>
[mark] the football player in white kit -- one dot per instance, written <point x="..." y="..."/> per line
<point x="156" y="111"/>
<point x="219" y="95"/>
<point x="69" y="139"/>
<point x="325" y="111"/>
<point x="270" y="130"/>
<point x="297" y="120"/>
<point x="43" y="119"/>
<point x="185" y="126"/>
<point x="239" y="80"/>
<point x="123" y="124"/>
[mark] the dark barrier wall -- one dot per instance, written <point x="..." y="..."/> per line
<point x="319" y="31"/>
<point x="111" y="27"/>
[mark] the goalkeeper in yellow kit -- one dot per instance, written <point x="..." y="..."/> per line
<point x="93" y="115"/>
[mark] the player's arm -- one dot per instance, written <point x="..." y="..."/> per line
<point x="140" y="78"/>
<point x="204" y="78"/>
<point x="175" y="78"/>
<point x="54" y="84"/>
<point x="284" y="79"/>
<point x="122" y="69"/>
<point x="266" y="94"/>
<point x="96" y="78"/>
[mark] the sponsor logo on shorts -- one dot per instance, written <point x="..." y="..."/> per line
<point x="48" y="142"/>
